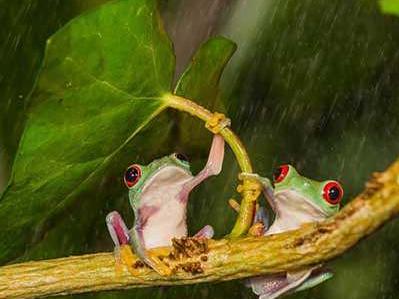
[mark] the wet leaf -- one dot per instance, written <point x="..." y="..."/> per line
<point x="21" y="50"/>
<point x="101" y="82"/>
<point x="200" y="80"/>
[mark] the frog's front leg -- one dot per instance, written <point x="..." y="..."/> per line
<point x="267" y="187"/>
<point x="120" y="236"/>
<point x="212" y="167"/>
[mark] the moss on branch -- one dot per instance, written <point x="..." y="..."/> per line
<point x="311" y="244"/>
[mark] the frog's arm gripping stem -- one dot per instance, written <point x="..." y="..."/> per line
<point x="267" y="187"/>
<point x="217" y="123"/>
<point x="212" y="167"/>
<point x="260" y="221"/>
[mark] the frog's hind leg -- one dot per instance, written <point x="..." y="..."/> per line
<point x="316" y="278"/>
<point x="274" y="286"/>
<point x="206" y="232"/>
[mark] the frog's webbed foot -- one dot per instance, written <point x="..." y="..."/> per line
<point x="217" y="122"/>
<point x="120" y="236"/>
<point x="257" y="229"/>
<point x="274" y="286"/>
<point x="152" y="259"/>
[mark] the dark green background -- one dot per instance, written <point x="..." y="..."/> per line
<point x="313" y="83"/>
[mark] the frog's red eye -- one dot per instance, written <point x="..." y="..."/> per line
<point x="333" y="192"/>
<point x="280" y="173"/>
<point x="132" y="175"/>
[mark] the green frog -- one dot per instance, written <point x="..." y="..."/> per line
<point x="295" y="200"/>
<point x="158" y="195"/>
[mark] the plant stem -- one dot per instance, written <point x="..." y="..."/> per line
<point x="248" y="202"/>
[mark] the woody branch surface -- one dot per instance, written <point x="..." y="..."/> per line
<point x="311" y="244"/>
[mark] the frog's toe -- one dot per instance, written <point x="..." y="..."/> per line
<point x="206" y="232"/>
<point x="155" y="263"/>
<point x="125" y="255"/>
<point x="257" y="229"/>
<point x="234" y="205"/>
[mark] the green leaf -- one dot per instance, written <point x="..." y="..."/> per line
<point x="23" y="42"/>
<point x="71" y="235"/>
<point x="102" y="81"/>
<point x="389" y="6"/>
<point x="200" y="82"/>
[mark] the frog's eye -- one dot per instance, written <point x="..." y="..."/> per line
<point x="333" y="192"/>
<point x="181" y="157"/>
<point x="132" y="175"/>
<point x="280" y="173"/>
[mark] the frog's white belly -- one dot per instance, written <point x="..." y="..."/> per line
<point x="292" y="210"/>
<point x="164" y="194"/>
<point x="167" y="223"/>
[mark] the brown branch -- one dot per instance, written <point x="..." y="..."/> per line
<point x="226" y="259"/>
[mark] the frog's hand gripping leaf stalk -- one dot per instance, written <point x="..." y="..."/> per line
<point x="123" y="238"/>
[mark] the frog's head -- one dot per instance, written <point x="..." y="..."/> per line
<point x="161" y="175"/>
<point x="304" y="196"/>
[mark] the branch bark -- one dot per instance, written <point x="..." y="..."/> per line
<point x="226" y="259"/>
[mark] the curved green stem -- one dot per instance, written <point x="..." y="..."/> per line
<point x="248" y="202"/>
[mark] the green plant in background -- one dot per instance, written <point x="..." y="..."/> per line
<point x="390" y="6"/>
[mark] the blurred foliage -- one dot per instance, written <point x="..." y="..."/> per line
<point x="390" y="6"/>
<point x="316" y="86"/>
<point x="23" y="41"/>
<point x="313" y="83"/>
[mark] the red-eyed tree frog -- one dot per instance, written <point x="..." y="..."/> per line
<point x="158" y="195"/>
<point x="295" y="200"/>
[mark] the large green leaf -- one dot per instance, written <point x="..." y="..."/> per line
<point x="101" y="82"/>
<point x="21" y="51"/>
<point x="200" y="82"/>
